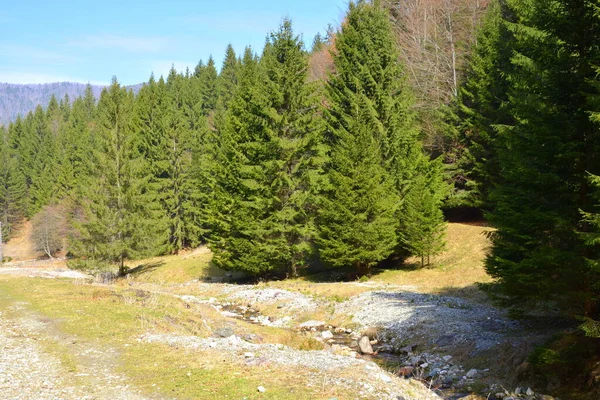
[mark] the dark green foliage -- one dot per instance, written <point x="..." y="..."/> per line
<point x="367" y="95"/>
<point x="13" y="189"/>
<point x="270" y="156"/>
<point x="166" y="143"/>
<point x="118" y="221"/>
<point x="481" y="106"/>
<point x="208" y="87"/>
<point x="38" y="153"/>
<point x="423" y="227"/>
<point x="357" y="223"/>
<point x="228" y="77"/>
<point x="544" y="155"/>
<point x="237" y="159"/>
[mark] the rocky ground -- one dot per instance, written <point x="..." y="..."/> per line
<point x="28" y="371"/>
<point x="396" y="341"/>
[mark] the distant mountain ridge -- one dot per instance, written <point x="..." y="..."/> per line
<point x="19" y="99"/>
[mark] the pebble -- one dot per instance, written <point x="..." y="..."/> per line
<point x="471" y="373"/>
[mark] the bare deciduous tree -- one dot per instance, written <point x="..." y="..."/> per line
<point x="435" y="37"/>
<point x="49" y="229"/>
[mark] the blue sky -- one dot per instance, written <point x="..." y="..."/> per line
<point x="81" y="41"/>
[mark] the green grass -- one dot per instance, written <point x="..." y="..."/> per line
<point x="114" y="316"/>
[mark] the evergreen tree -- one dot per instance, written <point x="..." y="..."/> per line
<point x="208" y="87"/>
<point x="544" y="155"/>
<point x="228" y="78"/>
<point x="118" y="222"/>
<point x="13" y="189"/>
<point x="89" y="102"/>
<point x="368" y="74"/>
<point x="232" y="205"/>
<point x="38" y="149"/>
<point x="272" y="156"/>
<point x="480" y="107"/>
<point x="300" y="154"/>
<point x="357" y="222"/>
<point x="76" y="147"/>
<point x="424" y="227"/>
<point x="318" y="43"/>
<point x="166" y="144"/>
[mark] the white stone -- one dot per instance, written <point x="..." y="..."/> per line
<point x="471" y="373"/>
<point x="261" y="389"/>
<point x="326" y="335"/>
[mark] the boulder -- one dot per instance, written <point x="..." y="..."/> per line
<point x="364" y="345"/>
<point x="224" y="332"/>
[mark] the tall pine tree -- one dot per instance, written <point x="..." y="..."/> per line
<point x="118" y="222"/>
<point x="544" y="155"/>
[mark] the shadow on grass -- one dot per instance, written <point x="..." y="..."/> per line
<point x="328" y="274"/>
<point x="145" y="268"/>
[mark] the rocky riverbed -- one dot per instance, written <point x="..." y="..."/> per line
<point x="392" y="337"/>
<point x="410" y="335"/>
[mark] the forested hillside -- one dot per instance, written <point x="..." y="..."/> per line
<point x="346" y="156"/>
<point x="18" y="99"/>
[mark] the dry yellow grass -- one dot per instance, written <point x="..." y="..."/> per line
<point x="460" y="266"/>
<point x="458" y="269"/>
<point x="20" y="247"/>
<point x="179" y="268"/>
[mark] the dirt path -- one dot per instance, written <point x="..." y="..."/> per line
<point x="28" y="371"/>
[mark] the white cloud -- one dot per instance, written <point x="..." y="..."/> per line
<point x="127" y="43"/>
<point x="33" y="77"/>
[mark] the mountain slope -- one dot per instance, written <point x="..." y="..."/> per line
<point x="17" y="99"/>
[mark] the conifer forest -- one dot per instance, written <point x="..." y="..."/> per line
<point x="347" y="153"/>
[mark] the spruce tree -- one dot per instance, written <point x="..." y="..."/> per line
<point x="544" y="155"/>
<point x="167" y="145"/>
<point x="270" y="157"/>
<point x="13" y="189"/>
<point x="479" y="109"/>
<point x="368" y="74"/>
<point x="118" y="222"/>
<point x="424" y="227"/>
<point x="39" y="160"/>
<point x="294" y="172"/>
<point x="357" y="210"/>
<point x="232" y="205"/>
<point x="228" y="78"/>
<point x="208" y="87"/>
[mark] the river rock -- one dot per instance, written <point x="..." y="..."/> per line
<point x="471" y="374"/>
<point x="224" y="332"/>
<point x="364" y="345"/>
<point x="327" y="335"/>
